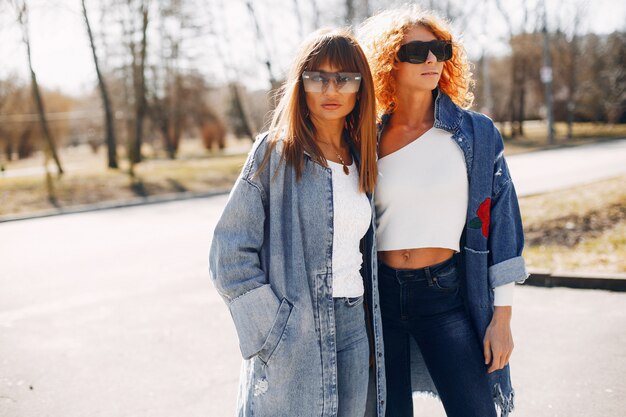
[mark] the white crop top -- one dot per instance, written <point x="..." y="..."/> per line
<point x="429" y="179"/>
<point x="352" y="215"/>
<point x="421" y="196"/>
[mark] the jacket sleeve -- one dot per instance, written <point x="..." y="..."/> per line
<point x="506" y="235"/>
<point x="235" y="264"/>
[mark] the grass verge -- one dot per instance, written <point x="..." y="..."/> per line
<point x="581" y="229"/>
<point x="27" y="194"/>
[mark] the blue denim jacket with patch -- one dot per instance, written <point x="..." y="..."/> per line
<point x="271" y="261"/>
<point x="492" y="240"/>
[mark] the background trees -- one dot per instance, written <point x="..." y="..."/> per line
<point x="166" y="70"/>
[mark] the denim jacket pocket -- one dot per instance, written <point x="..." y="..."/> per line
<point x="276" y="331"/>
<point x="447" y="280"/>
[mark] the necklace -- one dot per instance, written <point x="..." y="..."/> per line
<point x="343" y="163"/>
<point x="345" y="168"/>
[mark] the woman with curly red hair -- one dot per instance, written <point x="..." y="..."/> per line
<point x="449" y="232"/>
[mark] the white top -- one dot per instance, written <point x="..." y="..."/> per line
<point x="422" y="193"/>
<point x="352" y="215"/>
<point x="503" y="294"/>
<point x="429" y="177"/>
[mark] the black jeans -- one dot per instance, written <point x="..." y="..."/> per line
<point x="426" y="304"/>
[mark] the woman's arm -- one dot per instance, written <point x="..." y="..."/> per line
<point x="498" y="341"/>
<point x="235" y="264"/>
<point x="506" y="235"/>
<point x="506" y="265"/>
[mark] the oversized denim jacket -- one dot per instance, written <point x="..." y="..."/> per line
<point x="271" y="261"/>
<point x="492" y="239"/>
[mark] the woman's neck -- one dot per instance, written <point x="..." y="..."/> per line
<point x="414" y="110"/>
<point x="329" y="132"/>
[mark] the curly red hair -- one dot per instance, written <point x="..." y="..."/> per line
<point x="381" y="36"/>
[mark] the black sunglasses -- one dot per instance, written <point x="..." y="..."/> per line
<point x="416" y="52"/>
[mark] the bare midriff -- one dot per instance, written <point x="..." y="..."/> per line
<point x="414" y="258"/>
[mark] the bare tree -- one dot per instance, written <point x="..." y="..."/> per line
<point x="357" y="10"/>
<point x="21" y="9"/>
<point x="519" y="70"/>
<point x="165" y="106"/>
<point x="316" y="14"/>
<point x="15" y="134"/>
<point x="296" y="11"/>
<point x="134" y="18"/>
<point x="614" y="77"/>
<point x="104" y="93"/>
<point x="260" y="34"/>
<point x="571" y="91"/>
<point x="571" y="74"/>
<point x="139" y="79"/>
<point x="231" y="71"/>
<point x="350" y="12"/>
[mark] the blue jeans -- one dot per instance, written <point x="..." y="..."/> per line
<point x="352" y="356"/>
<point x="426" y="304"/>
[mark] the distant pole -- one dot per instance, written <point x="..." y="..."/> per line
<point x="546" y="76"/>
<point x="484" y="62"/>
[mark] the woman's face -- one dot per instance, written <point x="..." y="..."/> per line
<point x="421" y="77"/>
<point x="330" y="104"/>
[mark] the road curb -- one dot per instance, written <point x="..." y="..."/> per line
<point x="583" y="280"/>
<point x="140" y="201"/>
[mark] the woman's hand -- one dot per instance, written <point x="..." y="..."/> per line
<point x="498" y="342"/>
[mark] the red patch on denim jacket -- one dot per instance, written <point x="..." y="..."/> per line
<point x="482" y="221"/>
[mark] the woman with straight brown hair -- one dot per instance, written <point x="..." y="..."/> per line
<point x="293" y="252"/>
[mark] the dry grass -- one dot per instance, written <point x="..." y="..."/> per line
<point x="536" y="131"/>
<point x="86" y="181"/>
<point x="579" y="229"/>
<point x="535" y="135"/>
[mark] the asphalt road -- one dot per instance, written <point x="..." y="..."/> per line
<point x="112" y="313"/>
<point x="543" y="171"/>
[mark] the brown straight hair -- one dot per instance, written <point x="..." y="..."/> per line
<point x="291" y="121"/>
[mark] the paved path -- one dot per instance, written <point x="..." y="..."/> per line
<point x="111" y="313"/>
<point x="543" y="171"/>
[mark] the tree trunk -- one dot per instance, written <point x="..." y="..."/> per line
<point x="521" y="97"/>
<point x="262" y="41"/>
<point x="296" y="10"/>
<point x="571" y="90"/>
<point x="512" y="95"/>
<point x="350" y="11"/>
<point x="170" y="142"/>
<point x="37" y="95"/>
<point x="106" y="102"/>
<point x="140" y="89"/>
<point x="168" y="132"/>
<point x="232" y="74"/>
<point x="8" y="151"/>
<point x="22" y="18"/>
<point x="515" y="115"/>
<point x="316" y="14"/>
<point x="25" y="145"/>
<point x="248" y="123"/>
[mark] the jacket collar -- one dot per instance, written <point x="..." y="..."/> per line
<point x="447" y="114"/>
